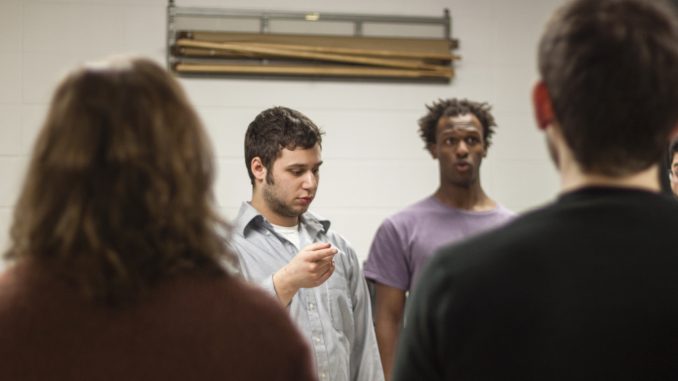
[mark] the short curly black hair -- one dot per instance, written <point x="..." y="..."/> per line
<point x="453" y="107"/>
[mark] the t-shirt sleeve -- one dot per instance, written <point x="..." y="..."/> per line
<point x="387" y="262"/>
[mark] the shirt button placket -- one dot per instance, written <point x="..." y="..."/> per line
<point x="317" y="334"/>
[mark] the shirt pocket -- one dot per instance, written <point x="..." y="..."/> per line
<point x="341" y="305"/>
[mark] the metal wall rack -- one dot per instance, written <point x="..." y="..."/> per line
<point x="218" y="42"/>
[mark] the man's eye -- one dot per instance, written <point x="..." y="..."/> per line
<point x="472" y="141"/>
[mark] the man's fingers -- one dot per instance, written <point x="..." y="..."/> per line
<point x="326" y="274"/>
<point x="320" y="267"/>
<point x="321" y="254"/>
<point x="316" y="246"/>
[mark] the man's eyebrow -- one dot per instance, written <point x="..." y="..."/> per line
<point x="301" y="165"/>
<point x="460" y="124"/>
<point x="464" y="128"/>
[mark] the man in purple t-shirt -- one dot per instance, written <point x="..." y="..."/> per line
<point x="457" y="133"/>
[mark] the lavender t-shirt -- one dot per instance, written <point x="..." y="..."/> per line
<point x="407" y="240"/>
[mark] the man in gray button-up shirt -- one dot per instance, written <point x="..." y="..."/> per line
<point x="294" y="255"/>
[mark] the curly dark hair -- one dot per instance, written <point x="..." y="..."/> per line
<point x="129" y="171"/>
<point x="275" y="129"/>
<point x="454" y="107"/>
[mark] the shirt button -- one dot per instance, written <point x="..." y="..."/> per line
<point x="316" y="339"/>
<point x="323" y="376"/>
<point x="311" y="306"/>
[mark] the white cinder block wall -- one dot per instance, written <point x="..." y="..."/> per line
<point x="374" y="161"/>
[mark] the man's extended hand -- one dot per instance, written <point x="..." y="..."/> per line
<point x="311" y="267"/>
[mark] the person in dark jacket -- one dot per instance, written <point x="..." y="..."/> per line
<point x="585" y="287"/>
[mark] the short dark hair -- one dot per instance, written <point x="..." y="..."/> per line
<point x="454" y="107"/>
<point x="611" y="70"/>
<point x="275" y="129"/>
<point x="129" y="170"/>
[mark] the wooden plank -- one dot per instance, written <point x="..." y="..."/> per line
<point x="338" y="71"/>
<point x="353" y="51"/>
<point x="216" y="53"/>
<point x="311" y="55"/>
<point x="422" y="47"/>
<point x="201" y="52"/>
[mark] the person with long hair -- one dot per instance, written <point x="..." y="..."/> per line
<point x="119" y="269"/>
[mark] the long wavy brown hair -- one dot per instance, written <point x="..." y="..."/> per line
<point x="118" y="194"/>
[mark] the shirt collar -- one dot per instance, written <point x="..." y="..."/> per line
<point x="249" y="218"/>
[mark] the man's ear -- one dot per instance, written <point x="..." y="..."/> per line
<point x="431" y="148"/>
<point x="258" y="169"/>
<point x="543" y="108"/>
